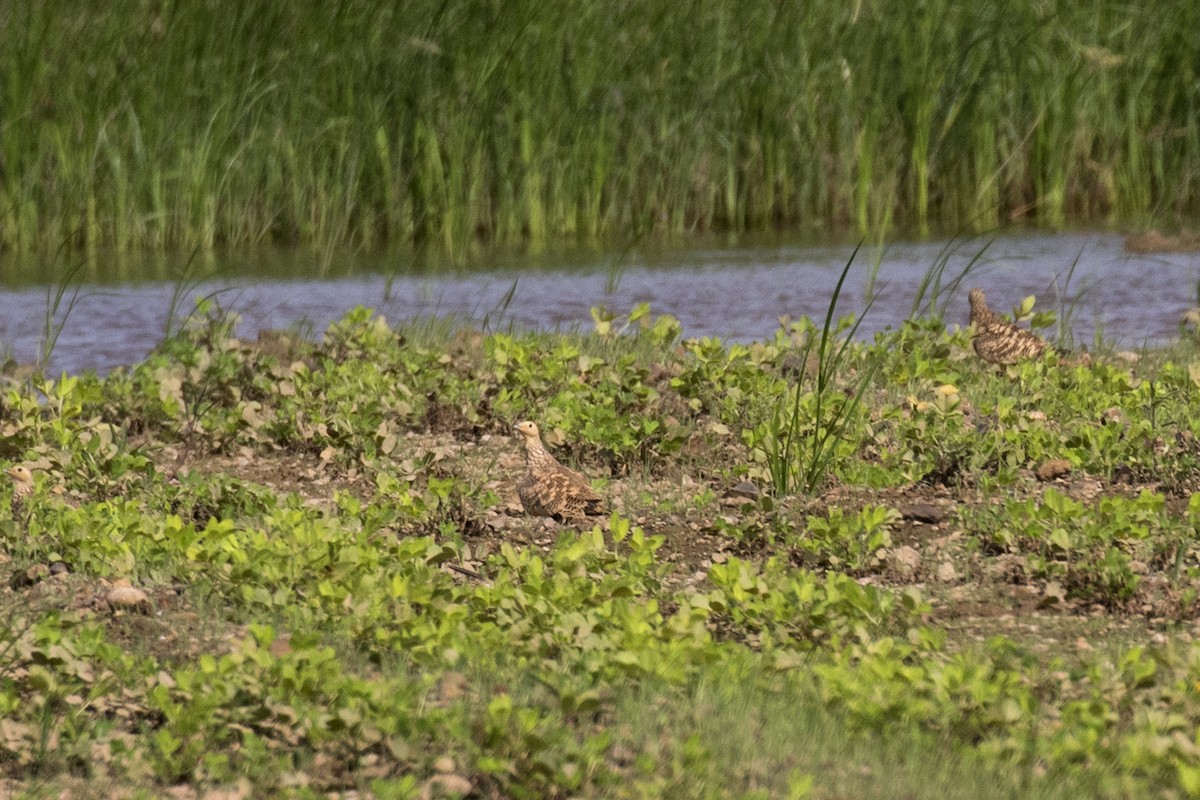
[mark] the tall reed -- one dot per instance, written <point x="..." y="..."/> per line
<point x="149" y="125"/>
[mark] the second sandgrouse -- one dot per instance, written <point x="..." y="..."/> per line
<point x="998" y="341"/>
<point x="22" y="481"/>
<point x="548" y="489"/>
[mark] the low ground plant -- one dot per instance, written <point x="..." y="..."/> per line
<point x="340" y="591"/>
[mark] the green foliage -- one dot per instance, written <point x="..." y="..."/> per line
<point x="810" y="428"/>
<point x="1091" y="550"/>
<point x="852" y="543"/>
<point x="364" y="123"/>
<point x="371" y="617"/>
<point x="774" y="606"/>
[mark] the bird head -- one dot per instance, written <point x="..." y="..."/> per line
<point x="977" y="299"/>
<point x="527" y="429"/>
<point x="20" y="474"/>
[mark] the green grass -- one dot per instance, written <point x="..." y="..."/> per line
<point x="291" y="508"/>
<point x="188" y="125"/>
<point x="751" y="733"/>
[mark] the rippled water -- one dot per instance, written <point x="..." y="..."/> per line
<point x="736" y="293"/>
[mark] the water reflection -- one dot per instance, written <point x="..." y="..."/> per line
<point x="737" y="293"/>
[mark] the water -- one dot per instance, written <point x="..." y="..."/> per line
<point x="736" y="293"/>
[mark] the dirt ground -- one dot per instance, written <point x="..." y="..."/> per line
<point x="973" y="595"/>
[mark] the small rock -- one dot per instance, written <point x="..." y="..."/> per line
<point x="946" y="573"/>
<point x="59" y="568"/>
<point x="1054" y="468"/>
<point x="744" y="489"/>
<point x="795" y="364"/>
<point x="446" y="786"/>
<point x="942" y="541"/>
<point x="622" y="755"/>
<point x="1053" y="594"/>
<point x="281" y="645"/>
<point x="452" y="686"/>
<point x="923" y="512"/>
<point x="1037" y="415"/>
<point x="128" y="598"/>
<point x="1128" y="356"/>
<point x="906" y="560"/>
<point x="29" y="576"/>
<point x="961" y="594"/>
<point x="445" y="765"/>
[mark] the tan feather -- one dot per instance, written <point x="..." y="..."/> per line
<point x="997" y="340"/>
<point x="548" y="489"/>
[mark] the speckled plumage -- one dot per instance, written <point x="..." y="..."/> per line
<point x="548" y="489"/>
<point x="997" y="340"/>
<point x="22" y="480"/>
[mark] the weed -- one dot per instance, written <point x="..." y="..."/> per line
<point x="802" y="436"/>
<point x="338" y="594"/>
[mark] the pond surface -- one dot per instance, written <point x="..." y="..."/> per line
<point x="737" y="293"/>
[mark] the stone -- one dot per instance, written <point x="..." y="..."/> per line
<point x="1054" y="468"/>
<point x="923" y="512"/>
<point x="744" y="489"/>
<point x="1053" y="594"/>
<point x="29" y="576"/>
<point x="906" y="560"/>
<point x="446" y="786"/>
<point x="128" y="598"/>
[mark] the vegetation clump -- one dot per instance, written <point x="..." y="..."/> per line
<point x="198" y="125"/>
<point x="307" y="570"/>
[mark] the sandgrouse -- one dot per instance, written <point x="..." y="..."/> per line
<point x="548" y="489"/>
<point x="998" y="341"/>
<point x="22" y="480"/>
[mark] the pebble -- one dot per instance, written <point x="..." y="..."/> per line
<point x="28" y="576"/>
<point x="446" y="786"/>
<point x="744" y="489"/>
<point x="1128" y="356"/>
<point x="923" y="512"/>
<point x="906" y="559"/>
<point x="1054" y="468"/>
<point x="128" y="597"/>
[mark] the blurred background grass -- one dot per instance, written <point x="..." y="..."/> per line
<point x="138" y="124"/>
